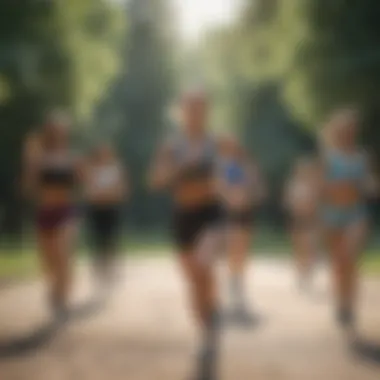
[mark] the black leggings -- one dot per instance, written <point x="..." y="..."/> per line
<point x="104" y="224"/>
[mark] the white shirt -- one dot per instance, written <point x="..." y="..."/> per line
<point x="103" y="178"/>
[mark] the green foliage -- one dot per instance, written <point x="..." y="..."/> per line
<point x="63" y="52"/>
<point x="326" y="52"/>
<point x="91" y="33"/>
<point x="139" y="102"/>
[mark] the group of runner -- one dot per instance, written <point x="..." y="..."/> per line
<point x="215" y="186"/>
<point x="54" y="179"/>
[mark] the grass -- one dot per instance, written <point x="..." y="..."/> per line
<point x="23" y="263"/>
<point x="18" y="265"/>
<point x="371" y="263"/>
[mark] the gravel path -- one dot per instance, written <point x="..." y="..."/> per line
<point x="145" y="332"/>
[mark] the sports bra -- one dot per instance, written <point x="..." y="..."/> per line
<point x="341" y="167"/>
<point x="204" y="167"/>
<point x="57" y="170"/>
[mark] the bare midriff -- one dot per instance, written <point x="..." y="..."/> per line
<point x="239" y="199"/>
<point x="194" y="193"/>
<point x="55" y="196"/>
<point x="305" y="211"/>
<point x="342" y="194"/>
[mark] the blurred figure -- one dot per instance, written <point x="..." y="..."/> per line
<point x="106" y="188"/>
<point x="241" y="188"/>
<point x="348" y="180"/>
<point x="302" y="197"/>
<point x="186" y="165"/>
<point x="51" y="175"/>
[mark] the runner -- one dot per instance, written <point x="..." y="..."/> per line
<point x="51" y="175"/>
<point x="301" y="203"/>
<point x="186" y="165"/>
<point x="241" y="189"/>
<point x="348" y="181"/>
<point x="105" y="192"/>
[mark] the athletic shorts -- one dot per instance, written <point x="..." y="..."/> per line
<point x="188" y="225"/>
<point x="302" y="224"/>
<point x="241" y="218"/>
<point x="103" y="225"/>
<point x="339" y="217"/>
<point x="50" y="218"/>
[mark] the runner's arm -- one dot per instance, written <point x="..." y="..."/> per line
<point x="162" y="171"/>
<point x="31" y="154"/>
<point x="371" y="180"/>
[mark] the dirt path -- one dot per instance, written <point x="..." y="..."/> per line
<point x="145" y="332"/>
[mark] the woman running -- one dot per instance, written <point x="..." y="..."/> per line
<point x="301" y="202"/>
<point x="241" y="189"/>
<point x="186" y="165"/>
<point x="106" y="192"/>
<point x="51" y="176"/>
<point x="347" y="182"/>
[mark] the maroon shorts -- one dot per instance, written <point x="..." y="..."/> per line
<point x="50" y="218"/>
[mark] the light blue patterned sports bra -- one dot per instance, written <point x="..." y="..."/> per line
<point x="343" y="167"/>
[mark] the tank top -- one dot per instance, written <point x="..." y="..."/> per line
<point x="103" y="177"/>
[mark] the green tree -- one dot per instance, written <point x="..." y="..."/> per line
<point x="142" y="98"/>
<point x="327" y="53"/>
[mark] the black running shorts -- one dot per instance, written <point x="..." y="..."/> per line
<point x="189" y="224"/>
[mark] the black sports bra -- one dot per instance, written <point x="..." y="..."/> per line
<point x="57" y="173"/>
<point x="55" y="176"/>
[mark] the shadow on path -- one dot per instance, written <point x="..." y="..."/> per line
<point x="88" y="309"/>
<point x="367" y="350"/>
<point x="242" y="320"/>
<point x="23" y="345"/>
<point x="40" y="337"/>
